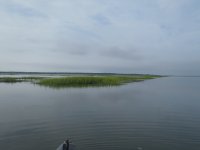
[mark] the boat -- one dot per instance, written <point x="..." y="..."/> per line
<point x="71" y="147"/>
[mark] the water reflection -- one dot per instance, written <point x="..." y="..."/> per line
<point x="155" y="114"/>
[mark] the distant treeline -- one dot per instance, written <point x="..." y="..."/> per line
<point x="67" y="73"/>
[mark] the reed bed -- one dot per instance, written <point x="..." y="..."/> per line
<point x="9" y="80"/>
<point x="79" y="81"/>
<point x="19" y="79"/>
<point x="91" y="81"/>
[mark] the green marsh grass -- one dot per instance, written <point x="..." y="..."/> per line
<point x="79" y="81"/>
<point x="91" y="81"/>
<point x="9" y="80"/>
<point x="19" y="79"/>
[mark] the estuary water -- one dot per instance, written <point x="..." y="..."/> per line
<point x="158" y="114"/>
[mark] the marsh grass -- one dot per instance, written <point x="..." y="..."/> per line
<point x="91" y="81"/>
<point x="9" y="80"/>
<point x="19" y="79"/>
<point x="79" y="81"/>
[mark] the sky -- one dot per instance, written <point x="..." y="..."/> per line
<point x="119" y="36"/>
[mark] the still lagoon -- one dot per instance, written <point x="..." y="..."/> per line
<point x="157" y="114"/>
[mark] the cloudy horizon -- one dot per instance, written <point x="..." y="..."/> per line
<point x="129" y="36"/>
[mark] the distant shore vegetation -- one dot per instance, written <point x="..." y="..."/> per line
<point x="80" y="81"/>
<point x="18" y="79"/>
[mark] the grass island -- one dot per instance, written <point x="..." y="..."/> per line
<point x="80" y="80"/>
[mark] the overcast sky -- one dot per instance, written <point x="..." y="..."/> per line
<point x="122" y="36"/>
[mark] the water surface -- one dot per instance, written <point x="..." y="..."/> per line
<point x="159" y="114"/>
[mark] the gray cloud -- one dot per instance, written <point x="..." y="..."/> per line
<point x="121" y="53"/>
<point x="101" y="19"/>
<point x="158" y="36"/>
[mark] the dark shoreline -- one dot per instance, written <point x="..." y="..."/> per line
<point x="65" y="73"/>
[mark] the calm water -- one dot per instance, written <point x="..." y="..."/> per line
<point x="159" y="114"/>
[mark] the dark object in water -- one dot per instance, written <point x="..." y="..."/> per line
<point x="69" y="146"/>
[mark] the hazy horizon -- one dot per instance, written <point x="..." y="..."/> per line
<point x="100" y="36"/>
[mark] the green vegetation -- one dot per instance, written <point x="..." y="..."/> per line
<point x="92" y="81"/>
<point x="9" y="80"/>
<point x="80" y="81"/>
<point x="19" y="79"/>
